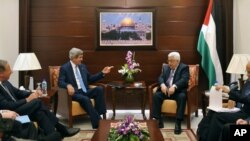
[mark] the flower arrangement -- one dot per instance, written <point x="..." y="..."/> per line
<point x="128" y="130"/>
<point x="130" y="68"/>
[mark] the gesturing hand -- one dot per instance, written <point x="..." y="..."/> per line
<point x="107" y="69"/>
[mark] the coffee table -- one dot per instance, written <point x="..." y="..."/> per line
<point x="101" y="133"/>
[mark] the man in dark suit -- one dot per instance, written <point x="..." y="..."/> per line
<point x="75" y="77"/>
<point x="173" y="84"/>
<point x="9" y="128"/>
<point x="26" y="103"/>
<point x="211" y="126"/>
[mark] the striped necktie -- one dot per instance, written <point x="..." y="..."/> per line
<point x="8" y="92"/>
<point x="170" y="78"/>
<point x="80" y="80"/>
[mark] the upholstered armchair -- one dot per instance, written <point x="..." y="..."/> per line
<point x="169" y="106"/>
<point x="68" y="108"/>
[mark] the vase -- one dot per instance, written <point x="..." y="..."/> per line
<point x="129" y="78"/>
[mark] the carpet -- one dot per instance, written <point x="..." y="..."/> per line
<point x="168" y="135"/>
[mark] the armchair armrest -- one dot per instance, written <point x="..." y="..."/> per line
<point x="150" y="94"/>
<point x="192" y="100"/>
<point x="64" y="102"/>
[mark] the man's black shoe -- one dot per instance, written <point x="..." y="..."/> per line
<point x="55" y="136"/>
<point x="177" y="129"/>
<point x="70" y="132"/>
<point x="65" y="131"/>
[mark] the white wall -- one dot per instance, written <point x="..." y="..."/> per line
<point x="241" y="26"/>
<point x="9" y="33"/>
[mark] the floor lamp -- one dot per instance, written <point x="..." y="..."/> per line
<point x="27" y="62"/>
<point x="237" y="65"/>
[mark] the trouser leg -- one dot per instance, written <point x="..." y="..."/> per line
<point x="97" y="94"/>
<point x="86" y="104"/>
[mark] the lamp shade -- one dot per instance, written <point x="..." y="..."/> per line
<point x="238" y="64"/>
<point x="27" y="61"/>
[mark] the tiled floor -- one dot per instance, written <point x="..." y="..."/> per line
<point x="84" y="123"/>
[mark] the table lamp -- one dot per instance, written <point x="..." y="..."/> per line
<point x="237" y="65"/>
<point x="27" y="62"/>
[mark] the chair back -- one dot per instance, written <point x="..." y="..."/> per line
<point x="54" y="75"/>
<point x="194" y="76"/>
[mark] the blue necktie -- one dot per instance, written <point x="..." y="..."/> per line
<point x="80" y="80"/>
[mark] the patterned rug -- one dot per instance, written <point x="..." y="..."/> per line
<point x="168" y="135"/>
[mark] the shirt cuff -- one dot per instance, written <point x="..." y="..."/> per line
<point x="175" y="86"/>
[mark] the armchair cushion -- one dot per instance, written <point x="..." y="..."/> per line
<point x="77" y="109"/>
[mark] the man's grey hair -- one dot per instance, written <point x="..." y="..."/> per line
<point x="75" y="52"/>
<point x="175" y="55"/>
<point x="3" y="64"/>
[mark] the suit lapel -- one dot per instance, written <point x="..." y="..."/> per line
<point x="8" y="90"/>
<point x="71" y="73"/>
<point x="176" y="72"/>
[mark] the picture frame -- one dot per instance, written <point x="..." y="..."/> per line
<point x="119" y="29"/>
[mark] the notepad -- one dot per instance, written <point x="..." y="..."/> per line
<point x="215" y="102"/>
<point x="23" y="119"/>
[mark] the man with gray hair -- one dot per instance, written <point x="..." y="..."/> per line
<point x="173" y="84"/>
<point x="74" y="76"/>
<point x="28" y="103"/>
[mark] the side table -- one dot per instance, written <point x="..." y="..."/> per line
<point x="51" y="99"/>
<point x="138" y="87"/>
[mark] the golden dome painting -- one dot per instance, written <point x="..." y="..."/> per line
<point x="125" y="28"/>
<point x="127" y="22"/>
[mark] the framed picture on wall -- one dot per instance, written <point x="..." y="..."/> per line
<point x="120" y="29"/>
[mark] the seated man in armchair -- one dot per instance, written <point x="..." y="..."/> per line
<point x="173" y="83"/>
<point x="75" y="77"/>
<point x="210" y="127"/>
<point x="27" y="103"/>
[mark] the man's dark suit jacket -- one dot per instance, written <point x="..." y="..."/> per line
<point x="67" y="76"/>
<point x="240" y="96"/>
<point x="6" y="101"/>
<point x="181" y="77"/>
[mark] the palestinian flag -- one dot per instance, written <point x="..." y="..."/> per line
<point x="210" y="61"/>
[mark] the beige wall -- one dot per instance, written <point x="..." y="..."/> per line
<point x="241" y="26"/>
<point x="9" y="26"/>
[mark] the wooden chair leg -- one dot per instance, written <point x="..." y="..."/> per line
<point x="70" y="122"/>
<point x="188" y="122"/>
<point x="196" y="113"/>
<point x="104" y="116"/>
